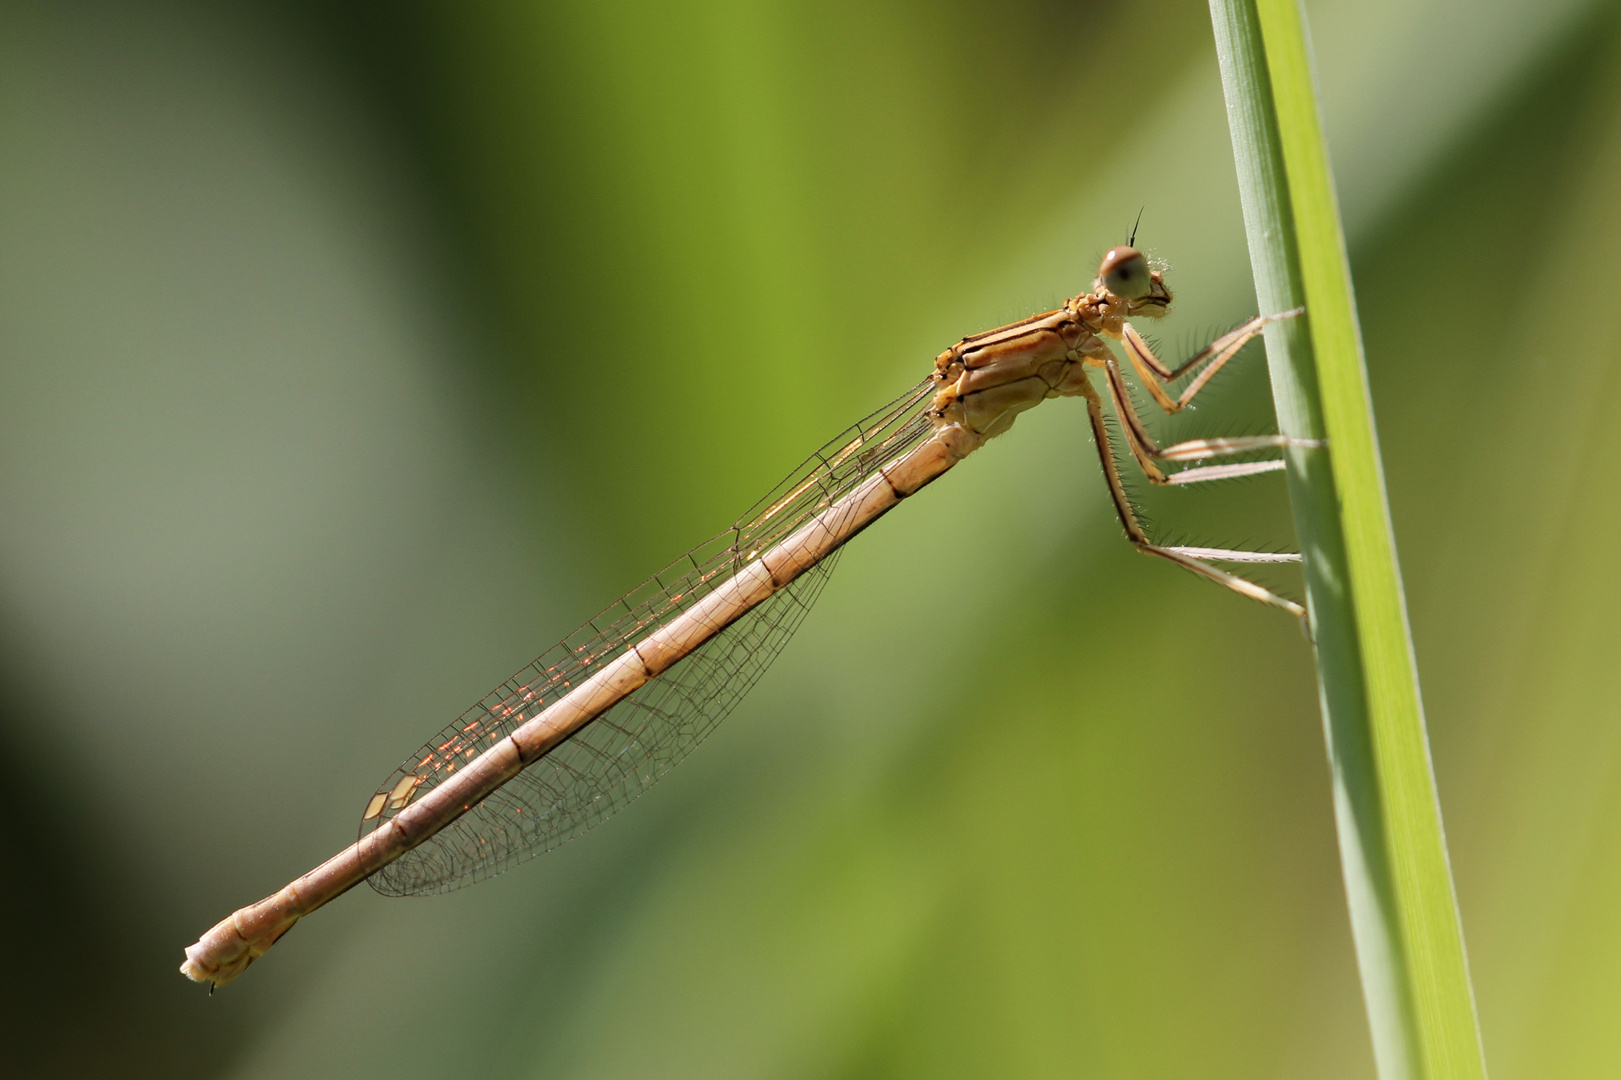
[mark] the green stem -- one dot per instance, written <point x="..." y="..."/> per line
<point x="1404" y="916"/>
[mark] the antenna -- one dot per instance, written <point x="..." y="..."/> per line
<point x="1133" y="241"/>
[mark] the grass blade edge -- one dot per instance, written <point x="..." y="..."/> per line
<point x="1404" y="915"/>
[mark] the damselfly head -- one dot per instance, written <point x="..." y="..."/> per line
<point x="1124" y="272"/>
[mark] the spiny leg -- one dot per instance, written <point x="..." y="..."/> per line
<point x="1154" y="372"/>
<point x="1188" y="558"/>
<point x="1145" y="449"/>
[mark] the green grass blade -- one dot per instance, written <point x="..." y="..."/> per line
<point x="1404" y="914"/>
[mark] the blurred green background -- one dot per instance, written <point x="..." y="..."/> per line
<point x="352" y="353"/>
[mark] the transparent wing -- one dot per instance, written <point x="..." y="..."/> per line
<point x="619" y="755"/>
<point x="610" y="761"/>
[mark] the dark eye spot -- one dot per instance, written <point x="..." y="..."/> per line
<point x="1125" y="273"/>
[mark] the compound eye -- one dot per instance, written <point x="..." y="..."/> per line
<point x="1125" y="273"/>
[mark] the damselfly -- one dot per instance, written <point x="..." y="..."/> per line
<point x="600" y="718"/>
